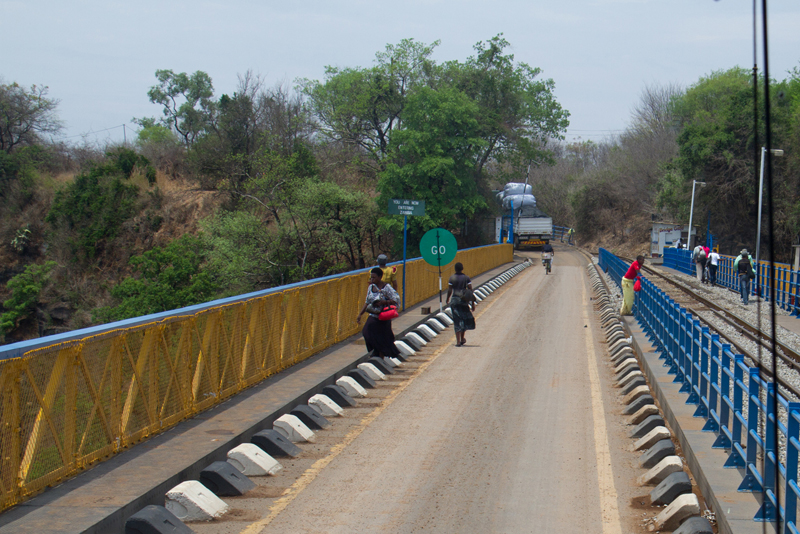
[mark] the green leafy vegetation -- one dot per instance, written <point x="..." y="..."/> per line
<point x="25" y="289"/>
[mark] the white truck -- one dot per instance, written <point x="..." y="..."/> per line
<point x="531" y="227"/>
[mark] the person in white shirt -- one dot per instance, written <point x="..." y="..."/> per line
<point x="699" y="259"/>
<point x="713" y="265"/>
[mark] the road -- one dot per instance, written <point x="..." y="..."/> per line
<point x="518" y="431"/>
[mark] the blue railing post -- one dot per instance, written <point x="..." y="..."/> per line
<point x="723" y="441"/>
<point x="702" y="374"/>
<point x="694" y="362"/>
<point x="712" y="425"/>
<point x="768" y="510"/>
<point x="792" y="446"/>
<point x="750" y="483"/>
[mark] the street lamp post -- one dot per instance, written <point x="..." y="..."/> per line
<point x="775" y="152"/>
<point x="691" y="213"/>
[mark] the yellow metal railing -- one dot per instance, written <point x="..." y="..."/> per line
<point x="66" y="406"/>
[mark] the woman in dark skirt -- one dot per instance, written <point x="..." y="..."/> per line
<point x="378" y="334"/>
<point x="463" y="319"/>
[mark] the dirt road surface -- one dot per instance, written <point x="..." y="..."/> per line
<point x="519" y="431"/>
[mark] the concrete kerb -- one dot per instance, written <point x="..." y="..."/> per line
<point x="734" y="510"/>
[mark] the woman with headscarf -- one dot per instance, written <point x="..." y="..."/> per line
<point x="378" y="334"/>
<point x="463" y="319"/>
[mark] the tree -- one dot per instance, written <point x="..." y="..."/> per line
<point x="188" y="102"/>
<point x="25" y="115"/>
<point x="434" y="158"/>
<point x="25" y="289"/>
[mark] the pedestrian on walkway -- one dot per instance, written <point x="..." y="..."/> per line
<point x="378" y="334"/>
<point x="627" y="285"/>
<point x="743" y="265"/>
<point x="713" y="265"/>
<point x="699" y="259"/>
<point x="389" y="273"/>
<point x="462" y="304"/>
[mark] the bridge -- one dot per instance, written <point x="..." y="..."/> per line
<point x="538" y="424"/>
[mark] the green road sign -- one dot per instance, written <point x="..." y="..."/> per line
<point x="399" y="206"/>
<point x="438" y="247"/>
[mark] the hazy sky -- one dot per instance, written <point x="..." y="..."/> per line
<point x="99" y="57"/>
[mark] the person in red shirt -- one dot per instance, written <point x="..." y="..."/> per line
<point x="627" y="285"/>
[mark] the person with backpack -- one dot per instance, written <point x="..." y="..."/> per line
<point x="713" y="265"/>
<point x="699" y="258"/>
<point x="743" y="265"/>
<point x="462" y="304"/>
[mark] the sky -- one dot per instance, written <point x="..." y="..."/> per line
<point x="99" y="57"/>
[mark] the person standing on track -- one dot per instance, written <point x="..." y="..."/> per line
<point x="743" y="265"/>
<point x="627" y="285"/>
<point x="699" y="259"/>
<point x="713" y="265"/>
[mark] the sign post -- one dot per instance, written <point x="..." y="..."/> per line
<point x="398" y="206"/>
<point x="438" y="247"/>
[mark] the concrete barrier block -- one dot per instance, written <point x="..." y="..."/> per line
<point x="362" y="378"/>
<point x="310" y="417"/>
<point x="372" y="371"/>
<point x="651" y="438"/>
<point x="405" y="350"/>
<point x="620" y="345"/>
<point x="389" y="362"/>
<point x="154" y="519"/>
<point x="294" y="429"/>
<point x="622" y="355"/>
<point x="636" y="393"/>
<point x="633" y="384"/>
<point x="191" y="501"/>
<point x="643" y="413"/>
<point x="678" y="483"/>
<point x="449" y="312"/>
<point x="414" y="342"/>
<point x="695" y="525"/>
<point x="435" y="325"/>
<point x="663" y="469"/>
<point x="225" y="480"/>
<point x="621" y="366"/>
<point x="395" y="361"/>
<point x="628" y="369"/>
<point x="444" y="318"/>
<point x="616" y="336"/>
<point x="351" y="387"/>
<point x="338" y="395"/>
<point x="637" y="405"/>
<point x="680" y="509"/>
<point x="656" y="453"/>
<point x="252" y="461"/>
<point x="625" y="380"/>
<point x="275" y="444"/>
<point x="426" y="331"/>
<point x="646" y="426"/>
<point x="381" y="365"/>
<point x="325" y="406"/>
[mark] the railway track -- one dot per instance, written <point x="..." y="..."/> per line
<point x="699" y="306"/>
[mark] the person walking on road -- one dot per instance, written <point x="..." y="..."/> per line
<point x="743" y="265"/>
<point x="462" y="304"/>
<point x="699" y="259"/>
<point x="571" y="235"/>
<point x="389" y="273"/>
<point x="627" y="285"/>
<point x="713" y="265"/>
<point x="378" y="334"/>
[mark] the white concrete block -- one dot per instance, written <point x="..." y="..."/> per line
<point x="192" y="501"/>
<point x="664" y="468"/>
<point x="444" y="319"/>
<point x="436" y="325"/>
<point x="372" y="371"/>
<point x="624" y="363"/>
<point x="428" y="330"/>
<point x="253" y="461"/>
<point x="478" y="297"/>
<point x="351" y="387"/>
<point x="294" y="429"/>
<point x="635" y="394"/>
<point x="683" y="507"/>
<point x="395" y="361"/>
<point x="418" y="338"/>
<point x="325" y="406"/>
<point x="627" y="378"/>
<point x="619" y="345"/>
<point x="404" y="349"/>
<point x="651" y="438"/>
<point x="643" y="413"/>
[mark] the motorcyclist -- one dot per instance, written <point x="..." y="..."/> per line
<point x="547" y="248"/>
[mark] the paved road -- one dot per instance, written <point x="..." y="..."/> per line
<point x="518" y="431"/>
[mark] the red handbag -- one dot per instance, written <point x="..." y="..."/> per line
<point x="637" y="286"/>
<point x="388" y="313"/>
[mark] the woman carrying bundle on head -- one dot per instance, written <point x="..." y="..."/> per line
<point x="459" y="286"/>
<point x="378" y="333"/>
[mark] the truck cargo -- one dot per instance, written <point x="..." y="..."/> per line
<point x="531" y="227"/>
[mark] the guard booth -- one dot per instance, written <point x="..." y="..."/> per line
<point x="666" y="234"/>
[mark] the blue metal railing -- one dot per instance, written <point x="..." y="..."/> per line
<point x="561" y="233"/>
<point x="719" y="383"/>
<point x="786" y="281"/>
